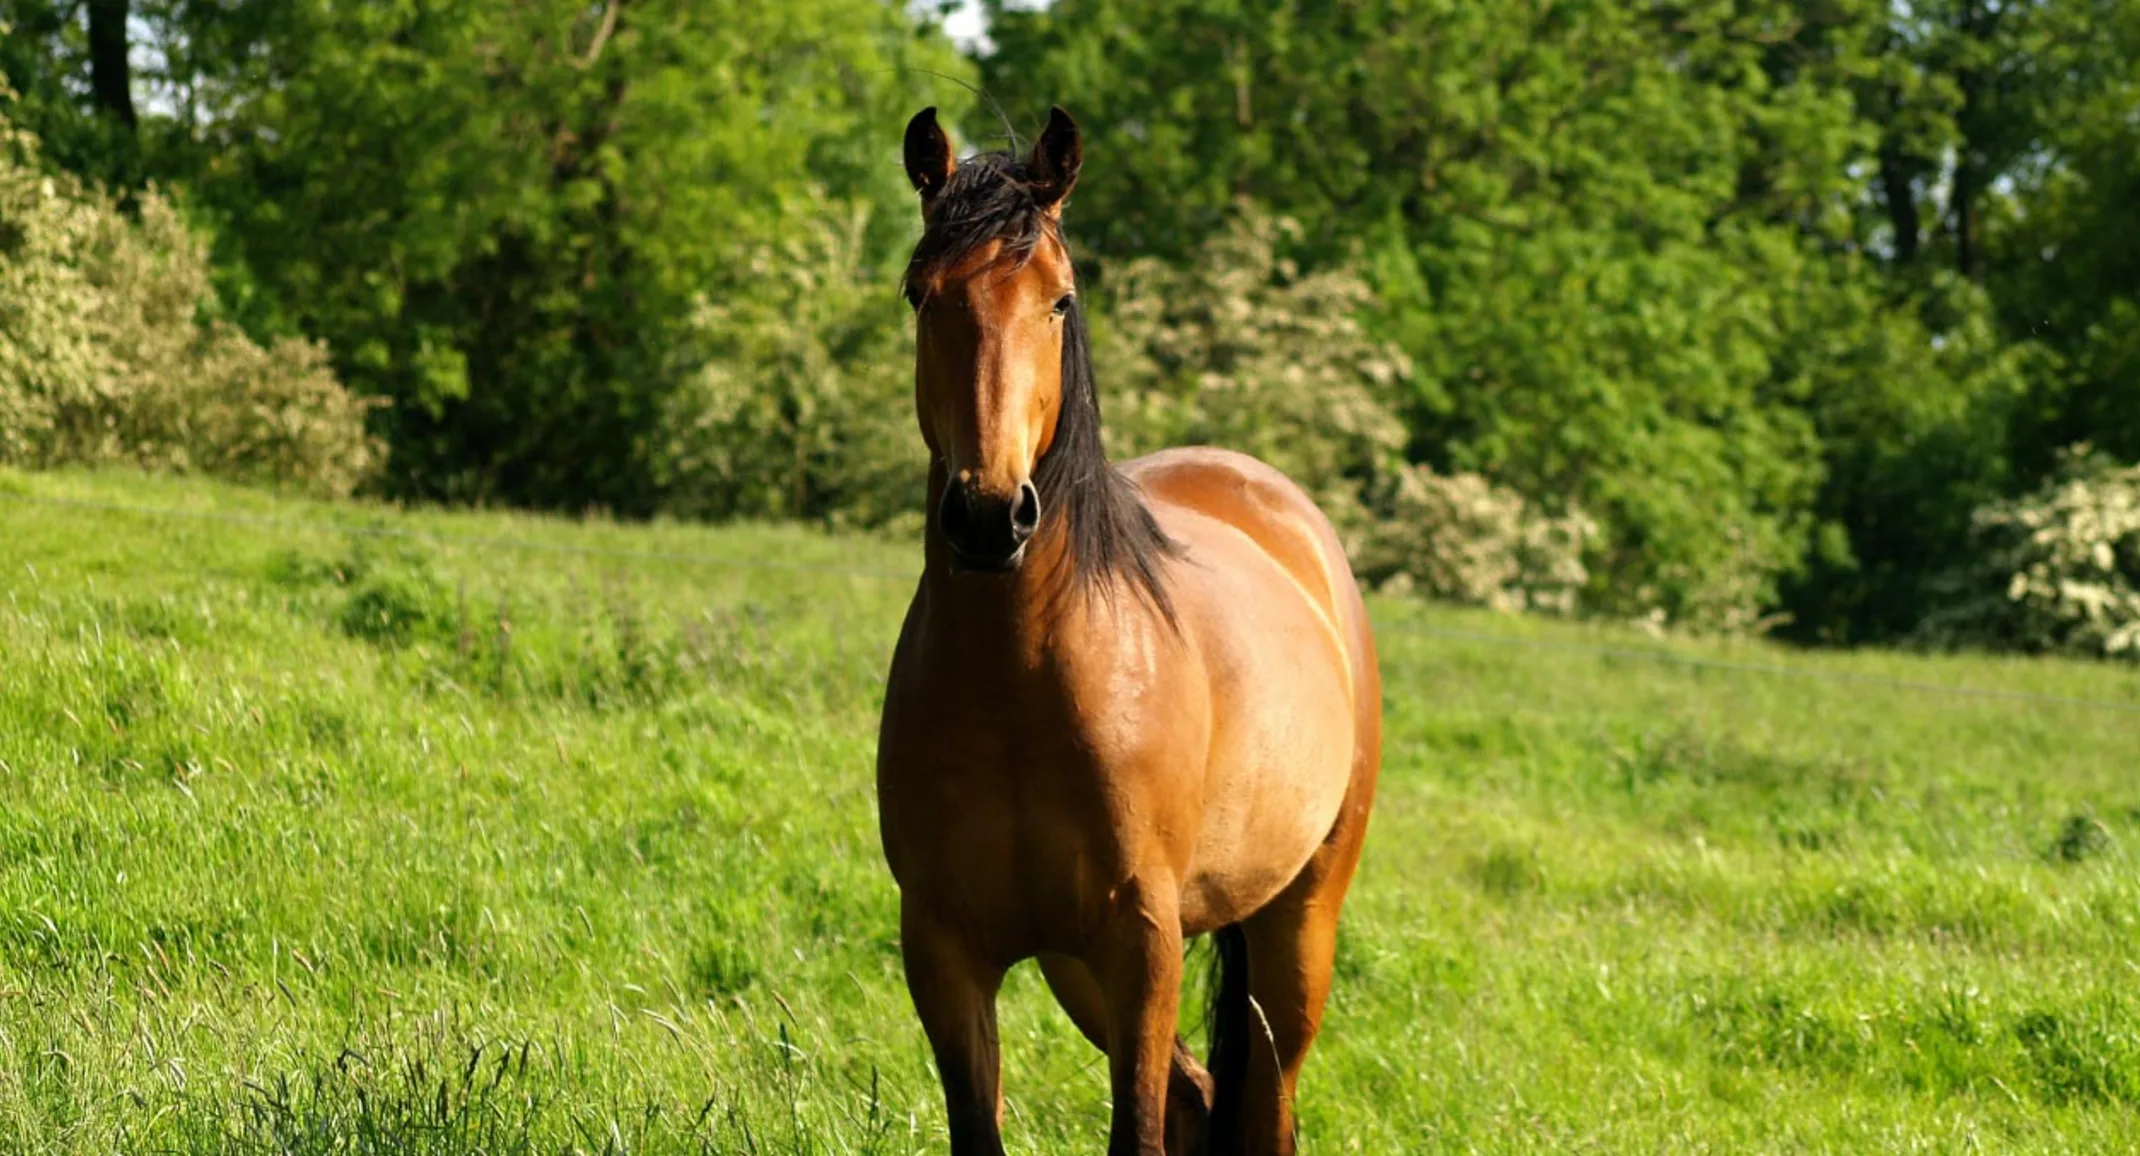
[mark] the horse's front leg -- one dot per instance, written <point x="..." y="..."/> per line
<point x="1138" y="960"/>
<point x="954" y="992"/>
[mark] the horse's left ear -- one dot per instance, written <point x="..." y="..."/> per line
<point x="928" y="156"/>
<point x="1057" y="155"/>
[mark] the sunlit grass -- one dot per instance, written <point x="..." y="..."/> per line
<point x="322" y="841"/>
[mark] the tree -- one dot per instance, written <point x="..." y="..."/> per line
<point x="111" y="74"/>
<point x="2062" y="258"/>
<point x="1587" y="222"/>
<point x="1763" y="285"/>
<point x="502" y="217"/>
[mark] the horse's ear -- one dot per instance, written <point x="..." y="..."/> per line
<point x="928" y="155"/>
<point x="1057" y="155"/>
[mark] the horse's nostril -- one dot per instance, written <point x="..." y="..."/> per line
<point x="1026" y="514"/>
<point x="986" y="532"/>
<point x="951" y="513"/>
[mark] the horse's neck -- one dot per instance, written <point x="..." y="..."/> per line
<point x="991" y="617"/>
<point x="1008" y="622"/>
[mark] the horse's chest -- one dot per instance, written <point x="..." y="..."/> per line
<point x="984" y="850"/>
<point x="1007" y="827"/>
<point x="1028" y="800"/>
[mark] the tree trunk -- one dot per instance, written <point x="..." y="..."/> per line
<point x="1897" y="189"/>
<point x="1968" y="161"/>
<point x="1965" y="210"/>
<point x="111" y="77"/>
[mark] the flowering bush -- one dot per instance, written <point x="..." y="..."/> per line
<point x="2059" y="570"/>
<point x="109" y="352"/>
<point x="1241" y="349"/>
<point x="1460" y="537"/>
<point x="800" y="404"/>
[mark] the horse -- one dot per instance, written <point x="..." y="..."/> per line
<point x="1129" y="705"/>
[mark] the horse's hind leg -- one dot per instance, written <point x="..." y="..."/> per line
<point x="1188" y="1085"/>
<point x="1292" y="949"/>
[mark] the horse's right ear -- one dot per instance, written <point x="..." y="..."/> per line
<point x="928" y="154"/>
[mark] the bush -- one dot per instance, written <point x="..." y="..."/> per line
<point x="2059" y="570"/>
<point x="1913" y="397"/>
<point x="803" y="406"/>
<point x="1240" y="348"/>
<point x="109" y="351"/>
<point x="1465" y="539"/>
<point x="803" y="403"/>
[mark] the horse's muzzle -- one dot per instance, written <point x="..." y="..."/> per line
<point x="988" y="533"/>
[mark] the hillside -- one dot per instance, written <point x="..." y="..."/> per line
<point x="337" y="828"/>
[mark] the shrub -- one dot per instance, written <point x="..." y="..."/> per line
<point x="109" y="351"/>
<point x="1467" y="540"/>
<point x="803" y="405"/>
<point x="1241" y="348"/>
<point x="395" y="605"/>
<point x="2058" y="570"/>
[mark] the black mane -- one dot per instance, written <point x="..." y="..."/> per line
<point x="1111" y="534"/>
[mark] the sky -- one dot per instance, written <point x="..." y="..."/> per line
<point x="967" y="26"/>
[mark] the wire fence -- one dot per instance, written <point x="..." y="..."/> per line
<point x="1383" y="624"/>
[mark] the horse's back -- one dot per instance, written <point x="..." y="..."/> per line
<point x="1269" y="598"/>
<point x="1265" y="506"/>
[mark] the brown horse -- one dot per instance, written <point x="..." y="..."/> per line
<point x="1129" y="705"/>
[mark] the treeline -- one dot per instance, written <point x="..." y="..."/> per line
<point x="1746" y="314"/>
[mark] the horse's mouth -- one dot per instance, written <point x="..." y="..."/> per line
<point x="970" y="564"/>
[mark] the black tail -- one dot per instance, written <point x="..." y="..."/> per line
<point x="1233" y="1035"/>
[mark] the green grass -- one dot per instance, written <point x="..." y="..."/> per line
<point x="324" y="842"/>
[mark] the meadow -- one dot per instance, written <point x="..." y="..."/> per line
<point x="338" y="828"/>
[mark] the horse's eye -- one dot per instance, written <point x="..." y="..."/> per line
<point x="913" y="295"/>
<point x="1062" y="304"/>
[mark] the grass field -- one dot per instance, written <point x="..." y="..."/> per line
<point x="321" y="840"/>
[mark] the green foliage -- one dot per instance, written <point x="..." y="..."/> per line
<point x="45" y="60"/>
<point x="1912" y="404"/>
<point x="511" y="220"/>
<point x="1240" y="347"/>
<point x="1577" y="218"/>
<point x="2064" y="263"/>
<point x="1759" y="300"/>
<point x="111" y="349"/>
<point x="1773" y="291"/>
<point x="2057" y="570"/>
<point x="362" y="899"/>
<point x="803" y="405"/>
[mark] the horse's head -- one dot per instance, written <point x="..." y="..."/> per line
<point x="994" y="299"/>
